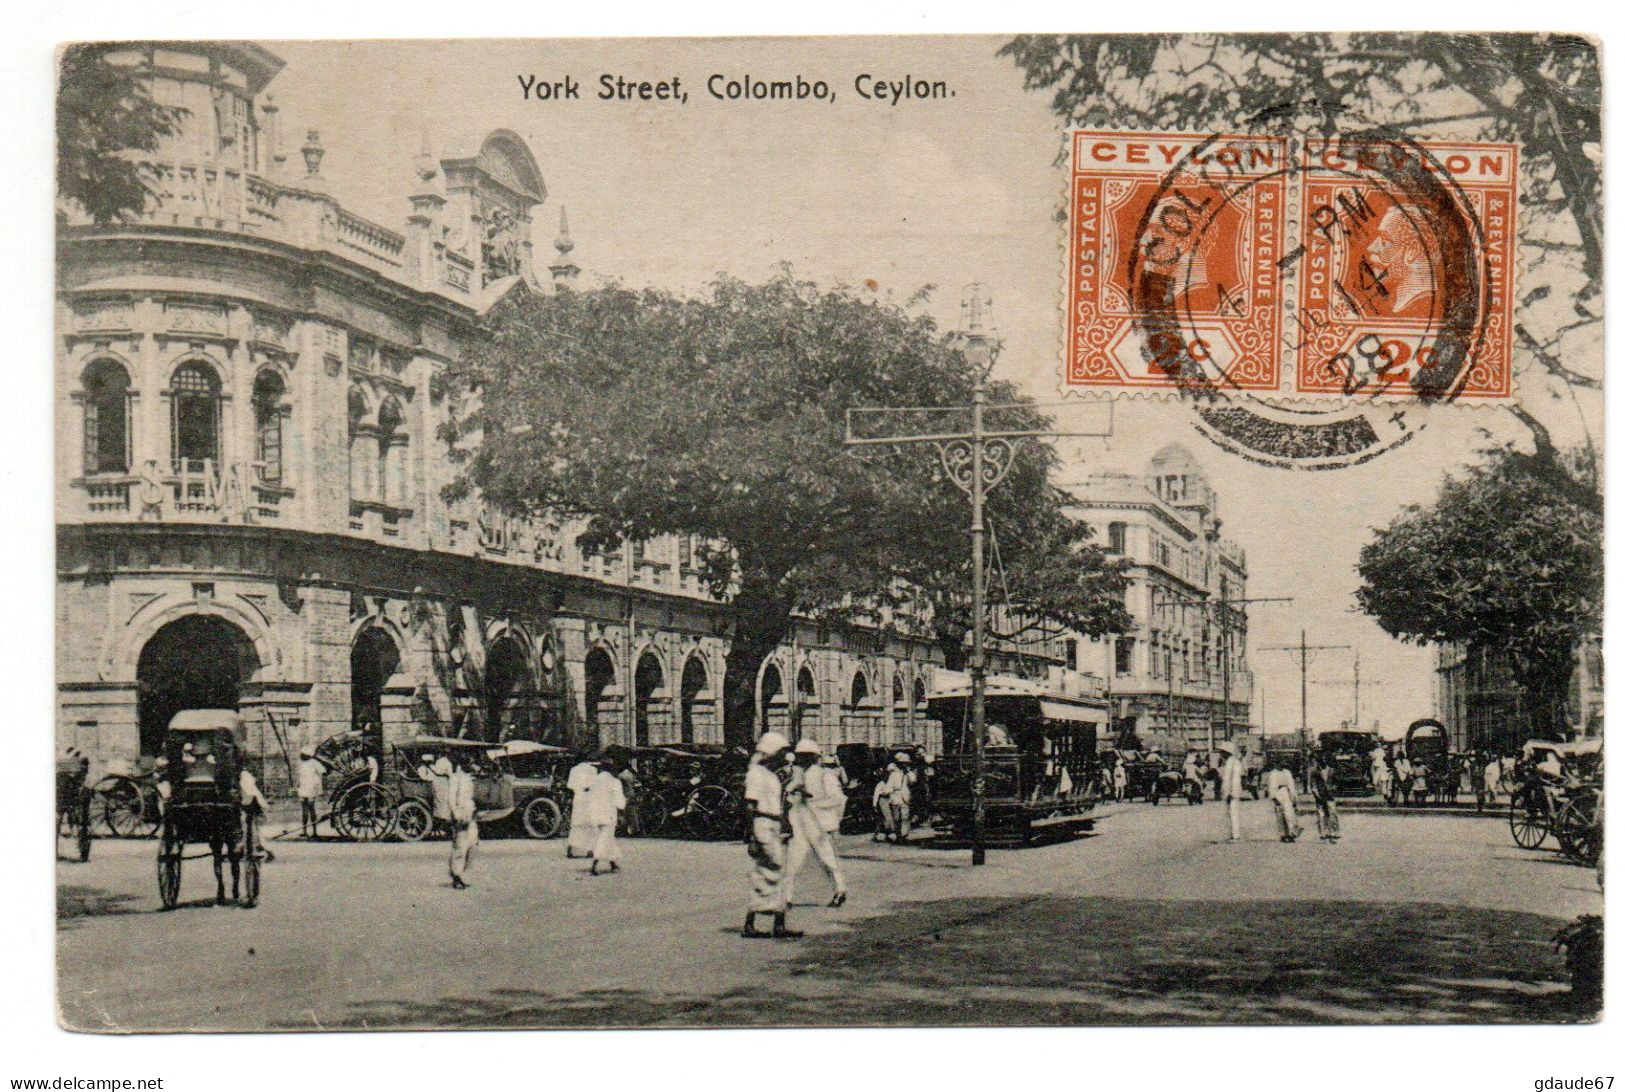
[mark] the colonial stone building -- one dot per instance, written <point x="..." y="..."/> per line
<point x="1168" y="678"/>
<point x="249" y="481"/>
<point x="1481" y="705"/>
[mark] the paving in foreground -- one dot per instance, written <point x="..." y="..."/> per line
<point x="1152" y="920"/>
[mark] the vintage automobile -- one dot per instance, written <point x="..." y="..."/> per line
<point x="1142" y="769"/>
<point x="1171" y="783"/>
<point x="539" y="771"/>
<point x="401" y="801"/>
<point x="205" y="804"/>
<point x="1046" y="777"/>
<point x="1347" y="758"/>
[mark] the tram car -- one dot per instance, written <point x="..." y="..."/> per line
<point x="1041" y="760"/>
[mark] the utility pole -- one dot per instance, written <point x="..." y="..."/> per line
<point x="1224" y="605"/>
<point x="1302" y="650"/>
<point x="976" y="461"/>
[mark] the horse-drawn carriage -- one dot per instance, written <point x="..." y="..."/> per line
<point x="865" y="767"/>
<point x="206" y="803"/>
<point x="1347" y="758"/>
<point x="1435" y="773"/>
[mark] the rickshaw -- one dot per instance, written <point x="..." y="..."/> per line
<point x="1571" y="809"/>
<point x="128" y="797"/>
<point x="205" y="804"/>
<point x="73" y="805"/>
<point x="401" y="801"/>
<point x="683" y="789"/>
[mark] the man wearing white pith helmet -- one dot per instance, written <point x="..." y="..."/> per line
<point x="764" y="806"/>
<point x="817" y="803"/>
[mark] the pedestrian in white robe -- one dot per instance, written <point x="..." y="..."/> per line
<point x="1231" y="778"/>
<point x="817" y="803"/>
<point x="465" y="829"/>
<point x="764" y="807"/>
<point x="605" y="802"/>
<point x="582" y="832"/>
<point x="1279" y="788"/>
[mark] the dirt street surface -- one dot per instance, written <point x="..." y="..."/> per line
<point x="1412" y="917"/>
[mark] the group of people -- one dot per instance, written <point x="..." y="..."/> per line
<point x="794" y="800"/>
<point x="597" y="798"/>
<point x="1282" y="792"/>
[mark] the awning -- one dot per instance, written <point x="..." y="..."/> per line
<point x="1057" y="710"/>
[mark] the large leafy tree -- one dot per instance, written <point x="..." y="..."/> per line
<point x="104" y="110"/>
<point x="722" y="416"/>
<point x="1500" y="562"/>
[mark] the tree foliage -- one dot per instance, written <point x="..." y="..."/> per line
<point x="1500" y="561"/>
<point x="722" y="416"/>
<point x="102" y="111"/>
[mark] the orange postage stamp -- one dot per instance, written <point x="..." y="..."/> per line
<point x="1218" y="232"/>
<point x="1373" y="284"/>
<point x="1290" y="263"/>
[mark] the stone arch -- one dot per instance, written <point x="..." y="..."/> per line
<point x="197" y="660"/>
<point x="772" y="702"/>
<point x="375" y="657"/>
<point x="512" y="708"/>
<point x="696" y="701"/>
<point x="600" y="693"/>
<point x="506" y="158"/>
<point x="861" y="716"/>
<point x="121" y="662"/>
<point x="650" y="698"/>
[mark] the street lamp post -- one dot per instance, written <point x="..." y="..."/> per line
<point x="976" y="461"/>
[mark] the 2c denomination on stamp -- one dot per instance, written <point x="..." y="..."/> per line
<point x="1219" y="238"/>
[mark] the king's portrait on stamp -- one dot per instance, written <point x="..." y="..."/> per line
<point x="1039" y="530"/>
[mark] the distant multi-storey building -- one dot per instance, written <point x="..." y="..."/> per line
<point x="1170" y="676"/>
<point x="249" y="484"/>
<point x="1478" y="699"/>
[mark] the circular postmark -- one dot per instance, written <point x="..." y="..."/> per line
<point x="1390" y="290"/>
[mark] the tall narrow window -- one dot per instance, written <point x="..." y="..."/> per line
<point x="268" y="422"/>
<point x="391" y="486"/>
<point x="1117" y="537"/>
<point x="1125" y="655"/>
<point x="107" y="418"/>
<point x="360" y="464"/>
<point x="194" y="414"/>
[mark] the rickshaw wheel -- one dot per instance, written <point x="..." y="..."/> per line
<point x="710" y="811"/>
<point x="169" y="874"/>
<point x="363" y="813"/>
<point x="123" y="811"/>
<point x="412" y="821"/>
<point x="542" y="818"/>
<point x="1528" y="821"/>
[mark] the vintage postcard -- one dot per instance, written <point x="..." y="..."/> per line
<point x="1040" y="530"/>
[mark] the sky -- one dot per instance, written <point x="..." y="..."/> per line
<point x="939" y="193"/>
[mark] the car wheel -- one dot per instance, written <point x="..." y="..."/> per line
<point x="542" y="818"/>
